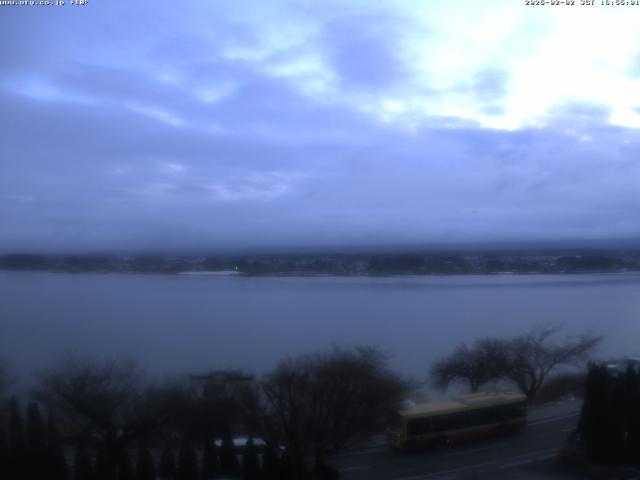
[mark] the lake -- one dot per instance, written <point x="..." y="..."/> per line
<point x="185" y="323"/>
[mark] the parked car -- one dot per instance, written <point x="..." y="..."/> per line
<point x="240" y="443"/>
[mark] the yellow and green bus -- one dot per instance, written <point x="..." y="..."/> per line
<point x="463" y="419"/>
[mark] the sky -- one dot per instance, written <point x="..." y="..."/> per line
<point x="266" y="123"/>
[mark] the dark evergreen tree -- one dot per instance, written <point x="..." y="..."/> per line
<point x="593" y="414"/>
<point x="618" y="420"/>
<point x="36" y="443"/>
<point x="187" y="461"/>
<point x="4" y="455"/>
<point x="35" y="428"/>
<point x="210" y="468"/>
<point x="250" y="461"/>
<point x="82" y="468"/>
<point x="229" y="464"/>
<point x="632" y="452"/>
<point x="270" y="464"/>
<point x="56" y="463"/>
<point x="288" y="470"/>
<point x="18" y="467"/>
<point x="104" y="468"/>
<point x="16" y="428"/>
<point x="125" y="470"/>
<point x="167" y="467"/>
<point x="145" y="468"/>
<point x="610" y="418"/>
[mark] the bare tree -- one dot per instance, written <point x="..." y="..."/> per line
<point x="103" y="404"/>
<point x="201" y="406"/>
<point x="535" y="354"/>
<point x="526" y="360"/>
<point x="179" y="403"/>
<point x="483" y="362"/>
<point x="320" y="404"/>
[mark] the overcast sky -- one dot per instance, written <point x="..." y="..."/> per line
<point x="251" y="124"/>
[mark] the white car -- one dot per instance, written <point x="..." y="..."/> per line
<point x="240" y="443"/>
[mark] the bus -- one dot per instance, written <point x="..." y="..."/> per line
<point x="463" y="419"/>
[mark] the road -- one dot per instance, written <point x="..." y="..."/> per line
<point x="505" y="457"/>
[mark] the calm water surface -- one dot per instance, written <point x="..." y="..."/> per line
<point x="179" y="323"/>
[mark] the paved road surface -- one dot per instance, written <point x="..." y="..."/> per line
<point x="505" y="457"/>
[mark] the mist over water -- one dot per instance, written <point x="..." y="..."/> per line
<point x="180" y="324"/>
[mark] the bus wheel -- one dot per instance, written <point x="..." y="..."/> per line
<point x="440" y="442"/>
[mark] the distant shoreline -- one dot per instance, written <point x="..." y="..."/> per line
<point x="339" y="265"/>
<point x="227" y="274"/>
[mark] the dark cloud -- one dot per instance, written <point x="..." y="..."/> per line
<point x="363" y="52"/>
<point x="489" y="85"/>
<point x="580" y="114"/>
